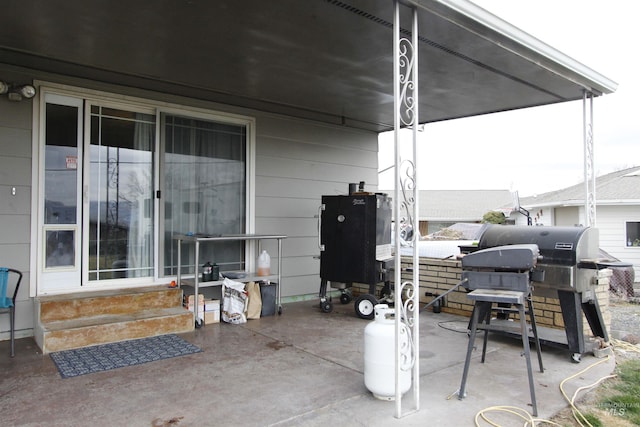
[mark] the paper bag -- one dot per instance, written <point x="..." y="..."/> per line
<point x="254" y="307"/>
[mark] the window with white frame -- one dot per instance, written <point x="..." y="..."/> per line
<point x="633" y="233"/>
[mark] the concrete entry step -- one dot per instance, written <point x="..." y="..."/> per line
<point x="111" y="302"/>
<point x="89" y="318"/>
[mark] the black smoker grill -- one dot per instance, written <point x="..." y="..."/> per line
<point x="355" y="247"/>
<point x="569" y="261"/>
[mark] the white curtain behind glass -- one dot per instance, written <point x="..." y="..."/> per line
<point x="204" y="186"/>
<point x="140" y="182"/>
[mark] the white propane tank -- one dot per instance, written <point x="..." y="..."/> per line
<point x="380" y="357"/>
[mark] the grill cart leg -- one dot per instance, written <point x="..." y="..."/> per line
<point x="345" y="296"/>
<point x="593" y="314"/>
<point x="325" y="304"/>
<point x="572" y="309"/>
<point x="485" y="311"/>
<point x="534" y="329"/>
<point x="483" y="302"/>
<point x="527" y="355"/>
<point x="472" y="337"/>
<point x="570" y="303"/>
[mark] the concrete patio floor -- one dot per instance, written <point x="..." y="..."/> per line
<point x="303" y="368"/>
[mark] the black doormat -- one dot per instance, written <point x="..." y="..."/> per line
<point x="104" y="357"/>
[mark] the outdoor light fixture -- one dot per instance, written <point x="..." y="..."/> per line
<point x="17" y="92"/>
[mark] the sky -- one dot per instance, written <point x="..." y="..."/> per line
<point x="604" y="36"/>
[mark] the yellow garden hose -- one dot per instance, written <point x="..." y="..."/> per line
<point x="529" y="420"/>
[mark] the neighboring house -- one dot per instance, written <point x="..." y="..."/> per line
<point x="442" y="208"/>
<point x="153" y="119"/>
<point x="617" y="212"/>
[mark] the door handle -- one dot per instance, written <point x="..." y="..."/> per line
<point x="320" y="209"/>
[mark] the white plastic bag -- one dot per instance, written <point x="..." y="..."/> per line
<point x="234" y="302"/>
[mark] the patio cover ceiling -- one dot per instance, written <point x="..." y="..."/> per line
<point x="326" y="60"/>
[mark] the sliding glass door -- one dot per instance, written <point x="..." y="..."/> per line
<point x="120" y="220"/>
<point x="204" y="183"/>
<point x="119" y="180"/>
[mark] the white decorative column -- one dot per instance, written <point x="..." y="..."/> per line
<point x="589" y="174"/>
<point x="405" y="207"/>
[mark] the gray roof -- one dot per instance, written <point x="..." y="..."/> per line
<point x="460" y="205"/>
<point x="620" y="187"/>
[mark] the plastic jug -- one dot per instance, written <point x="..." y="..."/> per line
<point x="264" y="264"/>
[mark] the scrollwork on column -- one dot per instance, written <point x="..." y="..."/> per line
<point x="407" y="348"/>
<point x="405" y="61"/>
<point x="590" y="175"/>
<point x="407" y="187"/>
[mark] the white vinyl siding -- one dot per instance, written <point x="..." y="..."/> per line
<point x="15" y="209"/>
<point x="297" y="162"/>
<point x="568" y="217"/>
<point x="612" y="225"/>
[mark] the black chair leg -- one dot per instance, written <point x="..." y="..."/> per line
<point x="12" y="321"/>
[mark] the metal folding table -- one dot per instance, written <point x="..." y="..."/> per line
<point x="197" y="239"/>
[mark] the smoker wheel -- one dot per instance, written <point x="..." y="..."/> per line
<point x="364" y="306"/>
<point x="345" y="298"/>
<point x="385" y="292"/>
<point x="326" y="306"/>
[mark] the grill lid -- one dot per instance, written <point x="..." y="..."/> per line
<point x="557" y="245"/>
<point x="510" y="258"/>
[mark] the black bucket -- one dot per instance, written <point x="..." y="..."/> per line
<point x="268" y="295"/>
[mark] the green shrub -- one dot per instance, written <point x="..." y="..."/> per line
<point x="494" y="217"/>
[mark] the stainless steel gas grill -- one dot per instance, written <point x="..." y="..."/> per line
<point x="569" y="259"/>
